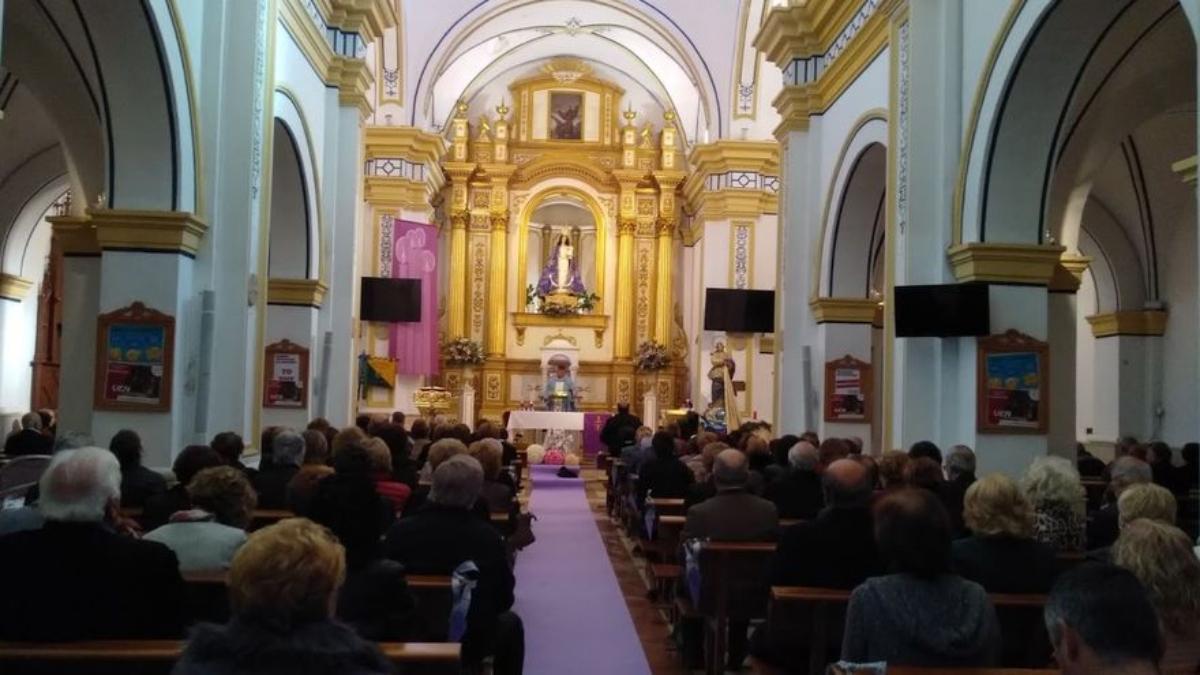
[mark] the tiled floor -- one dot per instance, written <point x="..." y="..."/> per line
<point x="651" y="626"/>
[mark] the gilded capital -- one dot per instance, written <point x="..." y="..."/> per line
<point x="459" y="219"/>
<point x="627" y="226"/>
<point x="664" y="225"/>
<point x="499" y="221"/>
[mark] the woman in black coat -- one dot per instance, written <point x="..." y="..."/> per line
<point x="281" y="589"/>
<point x="1002" y="555"/>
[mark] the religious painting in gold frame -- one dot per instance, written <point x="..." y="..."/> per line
<point x="135" y="351"/>
<point x="566" y="116"/>
<point x="848" y="390"/>
<point x="1013" y="395"/>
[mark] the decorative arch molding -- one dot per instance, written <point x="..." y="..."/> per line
<point x="543" y="169"/>
<point x="25" y="194"/>
<point x="997" y="197"/>
<point x="113" y="77"/>
<point x="14" y="255"/>
<point x="592" y="199"/>
<point x="468" y="32"/>
<point x="298" y="134"/>
<point x="870" y="130"/>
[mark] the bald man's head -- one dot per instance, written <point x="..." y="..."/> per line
<point x="731" y="469"/>
<point x="846" y="484"/>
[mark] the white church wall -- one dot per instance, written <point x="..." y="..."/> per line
<point x="1178" y="282"/>
<point x="1087" y="379"/>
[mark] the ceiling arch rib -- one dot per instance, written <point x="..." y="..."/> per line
<point x="610" y="30"/>
<point x="608" y="59"/>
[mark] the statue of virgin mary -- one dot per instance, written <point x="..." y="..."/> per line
<point x="561" y="273"/>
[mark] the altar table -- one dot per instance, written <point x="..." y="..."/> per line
<point x="545" y="419"/>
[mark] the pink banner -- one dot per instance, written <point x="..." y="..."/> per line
<point x="414" y="346"/>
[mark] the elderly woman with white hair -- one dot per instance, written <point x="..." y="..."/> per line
<point x="1052" y="486"/>
<point x="77" y="578"/>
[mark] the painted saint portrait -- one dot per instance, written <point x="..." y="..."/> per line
<point x="566" y="116"/>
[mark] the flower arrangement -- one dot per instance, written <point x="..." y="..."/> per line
<point x="463" y="351"/>
<point x="559" y="304"/>
<point x="651" y="356"/>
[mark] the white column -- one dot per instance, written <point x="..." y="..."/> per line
<point x="834" y="341"/>
<point x="81" y="304"/>
<point x="162" y="281"/>
<point x="228" y="262"/>
<point x="795" y="330"/>
<point x="342" y="199"/>
<point x="1062" y="323"/>
<point x="298" y="325"/>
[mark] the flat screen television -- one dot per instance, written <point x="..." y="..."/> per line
<point x="946" y="310"/>
<point x="389" y="300"/>
<point x="735" y="310"/>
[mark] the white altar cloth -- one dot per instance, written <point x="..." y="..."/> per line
<point x="545" y="419"/>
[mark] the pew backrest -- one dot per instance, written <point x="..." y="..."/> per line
<point x="734" y="579"/>
<point x="820" y="613"/>
<point x="159" y="656"/>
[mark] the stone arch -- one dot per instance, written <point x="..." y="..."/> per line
<point x="1052" y="62"/>
<point x="853" y="216"/>
<point x="296" y="232"/>
<point x="114" y="79"/>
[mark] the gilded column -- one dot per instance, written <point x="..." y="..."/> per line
<point x="623" y="347"/>
<point x="497" y="285"/>
<point x="664" y="297"/>
<point x="456" y="297"/>
<point x="664" y="292"/>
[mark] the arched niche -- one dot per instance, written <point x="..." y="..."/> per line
<point x="559" y="193"/>
<point x="555" y="217"/>
<point x="295" y="233"/>
<point x="853" y="218"/>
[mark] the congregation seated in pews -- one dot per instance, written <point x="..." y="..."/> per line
<point x="340" y="572"/>
<point x="911" y="559"/>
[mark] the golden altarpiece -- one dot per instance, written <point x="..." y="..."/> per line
<point x="565" y="171"/>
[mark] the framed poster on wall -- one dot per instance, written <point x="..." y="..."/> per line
<point x="848" y="390"/>
<point x="1013" y="384"/>
<point x="285" y="376"/>
<point x="134" y="356"/>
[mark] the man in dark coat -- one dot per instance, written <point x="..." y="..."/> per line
<point x="797" y="494"/>
<point x="836" y="550"/>
<point x="77" y="578"/>
<point x="444" y="535"/>
<point x="732" y="514"/>
<point x="29" y="440"/>
<point x="610" y="435"/>
<point x="138" y="483"/>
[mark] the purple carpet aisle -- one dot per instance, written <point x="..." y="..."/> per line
<point x="576" y="620"/>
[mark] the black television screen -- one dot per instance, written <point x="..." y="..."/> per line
<point x="390" y="300"/>
<point x="948" y="310"/>
<point x="736" y="310"/>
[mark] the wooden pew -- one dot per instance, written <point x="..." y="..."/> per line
<point x="734" y="586"/>
<point x="260" y="518"/>
<point x="820" y="613"/>
<point x="265" y="517"/>
<point x="918" y="670"/>
<point x="207" y="596"/>
<point x="666" y="507"/>
<point x="153" y="657"/>
<point x="434" y="599"/>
